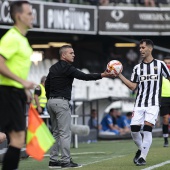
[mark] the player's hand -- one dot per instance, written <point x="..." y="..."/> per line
<point x="39" y="109"/>
<point x="28" y="84"/>
<point x="106" y="74"/>
<point x="29" y="95"/>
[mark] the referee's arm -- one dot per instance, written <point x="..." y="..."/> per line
<point x="4" y="70"/>
<point x="132" y="86"/>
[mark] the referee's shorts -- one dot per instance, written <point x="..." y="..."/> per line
<point x="165" y="106"/>
<point x="12" y="108"/>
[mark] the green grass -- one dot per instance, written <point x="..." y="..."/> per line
<point x="108" y="155"/>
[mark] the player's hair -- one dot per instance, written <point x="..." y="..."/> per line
<point x="43" y="79"/>
<point x="16" y="7"/>
<point x="63" y="48"/>
<point x="93" y="110"/>
<point x="128" y="114"/>
<point x="111" y="110"/>
<point x="148" y="42"/>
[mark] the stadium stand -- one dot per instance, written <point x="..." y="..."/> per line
<point x="83" y="89"/>
<point x="127" y="3"/>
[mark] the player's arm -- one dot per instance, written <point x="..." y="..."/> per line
<point x="47" y="86"/>
<point x="113" y="127"/>
<point x="36" y="100"/>
<point x="165" y="71"/>
<point x="7" y="73"/>
<point x="73" y="72"/>
<point x="127" y="82"/>
<point x="37" y="93"/>
<point x="37" y="103"/>
<point x="116" y="127"/>
<point x="111" y="124"/>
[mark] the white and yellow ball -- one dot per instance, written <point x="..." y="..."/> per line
<point x="114" y="67"/>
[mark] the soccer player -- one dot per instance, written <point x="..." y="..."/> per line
<point x="15" y="53"/>
<point x="147" y="77"/>
<point x="109" y="124"/>
<point x="92" y="122"/>
<point x="165" y="104"/>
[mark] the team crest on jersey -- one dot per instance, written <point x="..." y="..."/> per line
<point x="155" y="68"/>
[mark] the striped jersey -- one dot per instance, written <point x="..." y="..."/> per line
<point x="149" y="79"/>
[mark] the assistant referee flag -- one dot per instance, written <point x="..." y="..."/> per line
<point x="39" y="139"/>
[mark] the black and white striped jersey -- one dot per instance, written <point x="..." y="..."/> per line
<point x="149" y="79"/>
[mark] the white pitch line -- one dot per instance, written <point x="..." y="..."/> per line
<point x="104" y="160"/>
<point x="101" y="160"/>
<point x="83" y="153"/>
<point x="158" y="165"/>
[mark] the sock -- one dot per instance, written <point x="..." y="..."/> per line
<point x="11" y="158"/>
<point x="166" y="139"/>
<point x="165" y="132"/>
<point x="147" y="141"/>
<point x="137" y="138"/>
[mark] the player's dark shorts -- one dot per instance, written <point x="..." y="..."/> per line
<point x="165" y="106"/>
<point x="12" y="109"/>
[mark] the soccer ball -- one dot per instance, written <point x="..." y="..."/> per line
<point x="114" y="67"/>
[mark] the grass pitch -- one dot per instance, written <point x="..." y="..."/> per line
<point x="109" y="155"/>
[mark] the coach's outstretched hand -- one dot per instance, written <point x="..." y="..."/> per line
<point x="106" y="74"/>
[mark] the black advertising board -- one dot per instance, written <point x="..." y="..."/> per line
<point x="134" y="21"/>
<point x="84" y="19"/>
<point x="70" y="18"/>
<point x="6" y="21"/>
<point x="55" y="17"/>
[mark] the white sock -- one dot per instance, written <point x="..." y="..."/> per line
<point x="137" y="138"/>
<point x="165" y="135"/>
<point x="147" y="141"/>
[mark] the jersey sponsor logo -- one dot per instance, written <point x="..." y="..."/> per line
<point x="149" y="77"/>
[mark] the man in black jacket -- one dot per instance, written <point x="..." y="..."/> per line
<point x="58" y="88"/>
